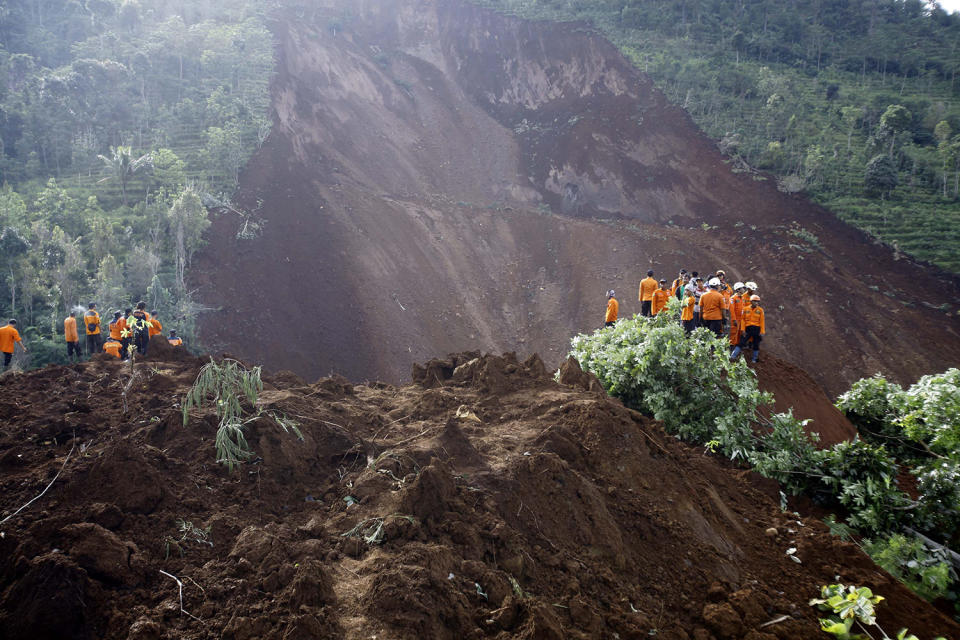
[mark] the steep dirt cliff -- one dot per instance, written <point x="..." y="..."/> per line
<point x="441" y="177"/>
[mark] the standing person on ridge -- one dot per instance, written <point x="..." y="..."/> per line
<point x="91" y="322"/>
<point x="140" y="331"/>
<point x="72" y="336"/>
<point x="9" y="336"/>
<point x="613" y="308"/>
<point x="711" y="308"/>
<point x="736" y="311"/>
<point x="686" y="314"/>
<point x="155" y="327"/>
<point x="678" y="282"/>
<point x="754" y="326"/>
<point x="660" y="297"/>
<point x="647" y="286"/>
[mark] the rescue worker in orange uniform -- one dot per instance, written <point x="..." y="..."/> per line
<point x="660" y="297"/>
<point x="613" y="308"/>
<point x="117" y="326"/>
<point x="112" y="347"/>
<point x="91" y="322"/>
<point x="71" y="336"/>
<point x="155" y="327"/>
<point x="711" y="308"/>
<point x="647" y="286"/>
<point x="9" y="336"/>
<point x="736" y="310"/>
<point x="754" y="327"/>
<point x="686" y="315"/>
<point x="174" y="340"/>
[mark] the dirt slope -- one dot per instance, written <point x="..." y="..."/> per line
<point x="442" y="178"/>
<point x="485" y="501"/>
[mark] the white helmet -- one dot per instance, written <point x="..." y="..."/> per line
<point x="737" y="285"/>
<point x="751" y="285"/>
<point x="714" y="282"/>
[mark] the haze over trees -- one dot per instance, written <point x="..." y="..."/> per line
<point x="118" y="121"/>
<point x="855" y="103"/>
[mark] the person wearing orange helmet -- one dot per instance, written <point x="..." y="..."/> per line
<point x="754" y="326"/>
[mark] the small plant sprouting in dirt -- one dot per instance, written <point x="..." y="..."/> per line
<point x="188" y="533"/>
<point x="807" y="236"/>
<point x="849" y="606"/>
<point x="371" y="529"/>
<point x="225" y="386"/>
<point x="517" y="589"/>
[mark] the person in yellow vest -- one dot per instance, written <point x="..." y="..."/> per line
<point x="112" y="347"/>
<point x="174" y="340"/>
<point x="72" y="336"/>
<point x="155" y="327"/>
<point x="660" y="297"/>
<point x="711" y="307"/>
<point x="754" y="327"/>
<point x="613" y="308"/>
<point x="736" y="310"/>
<point x="91" y="322"/>
<point x="687" y="303"/>
<point x="647" y="286"/>
<point x="9" y="336"/>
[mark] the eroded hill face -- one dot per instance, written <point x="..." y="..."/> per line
<point x="442" y="178"/>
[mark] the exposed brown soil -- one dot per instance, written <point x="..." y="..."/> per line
<point x="442" y="178"/>
<point x="512" y="506"/>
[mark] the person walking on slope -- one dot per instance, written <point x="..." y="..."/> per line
<point x="647" y="286"/>
<point x="9" y="336"/>
<point x="72" y="336"/>
<point x="613" y="307"/>
<point x="754" y="326"/>
<point x="91" y="322"/>
<point x="660" y="297"/>
<point x="711" y="308"/>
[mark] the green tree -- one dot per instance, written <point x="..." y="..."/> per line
<point x="895" y="120"/>
<point x="121" y="165"/>
<point x="880" y="177"/>
<point x="188" y="221"/>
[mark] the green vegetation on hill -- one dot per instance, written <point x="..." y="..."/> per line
<point x="855" y="103"/>
<point x="121" y="123"/>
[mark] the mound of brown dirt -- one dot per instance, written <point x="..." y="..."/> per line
<point x="485" y="501"/>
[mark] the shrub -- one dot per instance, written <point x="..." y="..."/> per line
<point x="938" y="510"/>
<point x="927" y="572"/>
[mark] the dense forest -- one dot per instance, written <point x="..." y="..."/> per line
<point x="855" y="103"/>
<point x="121" y="124"/>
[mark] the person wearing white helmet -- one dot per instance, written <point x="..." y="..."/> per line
<point x="613" y="307"/>
<point x="754" y="327"/>
<point x="737" y="304"/>
<point x="711" y="307"/>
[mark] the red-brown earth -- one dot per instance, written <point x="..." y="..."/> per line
<point x="440" y="178"/>
<point x="486" y="500"/>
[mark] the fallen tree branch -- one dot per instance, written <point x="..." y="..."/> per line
<point x="180" y="585"/>
<point x="67" y="459"/>
<point x="954" y="556"/>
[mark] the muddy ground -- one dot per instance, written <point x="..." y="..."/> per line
<point x="443" y="178"/>
<point x="484" y="500"/>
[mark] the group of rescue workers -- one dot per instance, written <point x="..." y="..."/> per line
<point x="130" y="329"/>
<point x="704" y="302"/>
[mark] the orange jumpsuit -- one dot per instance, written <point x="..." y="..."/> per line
<point x="736" y="310"/>
<point x="659" y="301"/>
<point x="175" y="341"/>
<point x="155" y="328"/>
<point x="612" y="308"/>
<point x="112" y="347"/>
